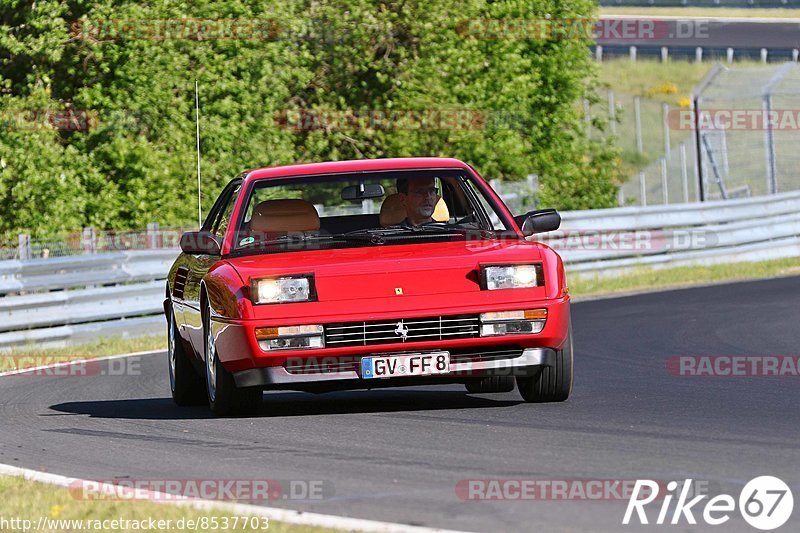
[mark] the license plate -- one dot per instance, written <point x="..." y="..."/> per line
<point x="414" y="364"/>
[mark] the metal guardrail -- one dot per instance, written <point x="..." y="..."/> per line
<point x="70" y="299"/>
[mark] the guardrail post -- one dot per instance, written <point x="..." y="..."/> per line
<point x="89" y="241"/>
<point x="632" y="52"/>
<point x="598" y="53"/>
<point x="664" y="54"/>
<point x="698" y="54"/>
<point x="729" y="53"/>
<point x="153" y="236"/>
<point x="25" y="247"/>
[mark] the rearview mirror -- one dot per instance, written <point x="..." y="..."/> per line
<point x="363" y="191"/>
<point x="539" y="221"/>
<point x="200" y="242"/>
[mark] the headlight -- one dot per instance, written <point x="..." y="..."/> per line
<point x="512" y="276"/>
<point x="526" y="322"/>
<point x="290" y="337"/>
<point x="283" y="290"/>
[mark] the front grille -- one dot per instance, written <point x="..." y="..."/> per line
<point x="352" y="363"/>
<point x="391" y="331"/>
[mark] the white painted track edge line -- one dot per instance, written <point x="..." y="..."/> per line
<point x="286" y="516"/>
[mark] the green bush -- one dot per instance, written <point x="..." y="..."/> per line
<point x="336" y="58"/>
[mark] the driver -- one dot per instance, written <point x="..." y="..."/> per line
<point x="420" y="198"/>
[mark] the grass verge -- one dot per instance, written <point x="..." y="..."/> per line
<point x="30" y="356"/>
<point x="30" y="500"/>
<point x="648" y="279"/>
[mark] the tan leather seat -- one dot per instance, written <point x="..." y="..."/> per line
<point x="393" y="211"/>
<point x="440" y="212"/>
<point x="274" y="216"/>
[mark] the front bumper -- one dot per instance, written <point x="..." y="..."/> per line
<point x="529" y="362"/>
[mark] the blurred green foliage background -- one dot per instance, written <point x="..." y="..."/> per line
<point x="136" y="163"/>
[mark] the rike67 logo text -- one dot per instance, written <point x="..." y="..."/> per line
<point x="766" y="503"/>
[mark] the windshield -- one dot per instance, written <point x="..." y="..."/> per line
<point x="365" y="209"/>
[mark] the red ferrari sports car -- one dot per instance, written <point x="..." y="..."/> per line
<point x="365" y="274"/>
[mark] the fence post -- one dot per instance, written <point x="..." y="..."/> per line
<point x="632" y="52"/>
<point x="637" y="115"/>
<point x="587" y="117"/>
<point x="795" y="54"/>
<point x="25" y="247"/>
<point x="769" y="146"/>
<point x="89" y="241"/>
<point x="153" y="236"/>
<point x="684" y="173"/>
<point x="642" y="189"/>
<point x="612" y="112"/>
<point x="664" y="54"/>
<point x="698" y="54"/>
<point x="729" y="53"/>
<point x="664" y="180"/>
<point x="764" y="53"/>
<point x="665" y="125"/>
<point x="598" y="53"/>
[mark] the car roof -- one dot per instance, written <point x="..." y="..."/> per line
<point x="361" y="165"/>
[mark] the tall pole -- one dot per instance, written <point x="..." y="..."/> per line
<point x="197" y="132"/>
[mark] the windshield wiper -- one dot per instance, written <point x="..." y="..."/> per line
<point x="433" y="229"/>
<point x="283" y="239"/>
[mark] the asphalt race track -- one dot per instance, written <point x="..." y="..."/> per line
<point x="398" y="454"/>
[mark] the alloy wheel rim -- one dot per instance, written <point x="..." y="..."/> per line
<point x="211" y="371"/>
<point x="171" y="348"/>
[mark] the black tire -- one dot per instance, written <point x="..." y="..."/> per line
<point x="552" y="383"/>
<point x="224" y="397"/>
<point x="187" y="387"/>
<point x="490" y="384"/>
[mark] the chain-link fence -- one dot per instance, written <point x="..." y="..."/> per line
<point x="748" y="122"/>
<point x="89" y="240"/>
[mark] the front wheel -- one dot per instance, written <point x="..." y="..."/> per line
<point x="552" y="383"/>
<point x="224" y="397"/>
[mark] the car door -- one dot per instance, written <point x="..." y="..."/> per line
<point x="197" y="266"/>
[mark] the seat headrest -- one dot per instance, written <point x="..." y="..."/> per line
<point x="273" y="216"/>
<point x="393" y="211"/>
<point x="440" y="212"/>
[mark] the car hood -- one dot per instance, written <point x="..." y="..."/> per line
<point x="390" y="270"/>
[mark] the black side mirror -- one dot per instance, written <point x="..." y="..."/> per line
<point x="539" y="221"/>
<point x="200" y="242"/>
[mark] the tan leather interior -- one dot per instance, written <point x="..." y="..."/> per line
<point x="440" y="212"/>
<point x="393" y="211"/>
<point x="275" y="216"/>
